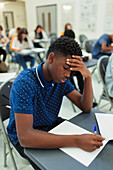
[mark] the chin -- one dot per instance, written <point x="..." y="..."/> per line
<point x="57" y="81"/>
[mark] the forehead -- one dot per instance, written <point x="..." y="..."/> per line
<point x="62" y="59"/>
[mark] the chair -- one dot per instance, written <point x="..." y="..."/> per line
<point x="53" y="37"/>
<point x="89" y="44"/>
<point x="12" y="58"/>
<point x="82" y="39"/>
<point x="102" y="64"/>
<point x="4" y="115"/>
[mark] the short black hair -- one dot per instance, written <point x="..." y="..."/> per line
<point x="69" y="33"/>
<point x="1" y="28"/>
<point x="66" y="46"/>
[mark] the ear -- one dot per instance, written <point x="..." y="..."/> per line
<point x="51" y="58"/>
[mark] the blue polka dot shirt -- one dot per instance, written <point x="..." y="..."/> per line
<point x="32" y="94"/>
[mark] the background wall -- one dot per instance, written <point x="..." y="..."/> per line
<point x="90" y="17"/>
<point x="19" y="13"/>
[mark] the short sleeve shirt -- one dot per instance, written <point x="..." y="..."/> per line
<point x="32" y="94"/>
<point x="97" y="48"/>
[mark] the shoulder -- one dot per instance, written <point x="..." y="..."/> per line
<point x="26" y="79"/>
<point x="14" y="37"/>
<point x="106" y="36"/>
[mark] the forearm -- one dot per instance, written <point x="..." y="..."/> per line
<point x="45" y="140"/>
<point x="87" y="97"/>
<point x="107" y="48"/>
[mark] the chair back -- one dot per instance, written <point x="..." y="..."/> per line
<point x="102" y="64"/>
<point x="89" y="44"/>
<point x="4" y="100"/>
<point x="82" y="38"/>
<point x="9" y="51"/>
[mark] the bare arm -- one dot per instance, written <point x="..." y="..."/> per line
<point x="106" y="48"/>
<point x="5" y="40"/>
<point x="32" y="138"/>
<point x="85" y="101"/>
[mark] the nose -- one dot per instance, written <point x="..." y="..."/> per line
<point x="67" y="73"/>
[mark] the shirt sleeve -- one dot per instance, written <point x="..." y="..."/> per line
<point x="32" y="35"/>
<point x="22" y="95"/>
<point x="30" y="42"/>
<point x="103" y="39"/>
<point x="68" y="87"/>
<point x="13" y="45"/>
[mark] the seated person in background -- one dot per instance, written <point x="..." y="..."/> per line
<point x="3" y="40"/>
<point x="39" y="33"/>
<point x="44" y="35"/>
<point x="36" y="97"/>
<point x="103" y="46"/>
<point x="71" y="34"/>
<point x="13" y="31"/>
<point x="68" y="26"/>
<point x="20" y="42"/>
<point x="109" y="76"/>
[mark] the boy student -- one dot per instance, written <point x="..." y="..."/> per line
<point x="36" y="98"/>
<point x="103" y="46"/>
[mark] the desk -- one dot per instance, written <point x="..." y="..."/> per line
<point x="46" y="42"/>
<point x="91" y="62"/>
<point x="3" y="45"/>
<point x="55" y="159"/>
<point x="27" y="52"/>
<point x="41" y="40"/>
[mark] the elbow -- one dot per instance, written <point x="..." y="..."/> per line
<point x="104" y="49"/>
<point x="23" y="140"/>
<point x="87" y="109"/>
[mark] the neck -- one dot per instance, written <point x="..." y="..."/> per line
<point x="46" y="72"/>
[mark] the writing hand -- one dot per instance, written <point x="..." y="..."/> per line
<point x="90" y="142"/>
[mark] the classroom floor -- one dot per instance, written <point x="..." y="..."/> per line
<point x="66" y="112"/>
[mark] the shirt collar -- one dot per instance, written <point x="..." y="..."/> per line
<point x="41" y="78"/>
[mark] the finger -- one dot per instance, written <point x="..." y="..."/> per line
<point x="76" y="57"/>
<point x="98" y="144"/>
<point x="74" y="61"/>
<point x="99" y="138"/>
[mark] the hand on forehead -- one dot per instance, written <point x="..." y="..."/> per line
<point x="73" y="61"/>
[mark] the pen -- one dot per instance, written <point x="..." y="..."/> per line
<point x="95" y="129"/>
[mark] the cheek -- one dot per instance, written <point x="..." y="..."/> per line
<point x="57" y="72"/>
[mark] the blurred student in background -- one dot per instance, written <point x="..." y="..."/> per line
<point x="3" y="40"/>
<point x="39" y="33"/>
<point x="13" y="31"/>
<point x="20" y="42"/>
<point x="109" y="76"/>
<point x="103" y="46"/>
<point x="68" y="26"/>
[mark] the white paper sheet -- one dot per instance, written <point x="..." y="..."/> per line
<point x="67" y="128"/>
<point x="105" y="123"/>
<point x="38" y="50"/>
<point x="6" y="76"/>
